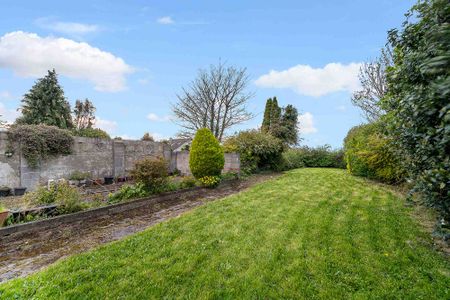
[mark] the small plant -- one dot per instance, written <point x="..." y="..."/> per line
<point x="78" y="175"/>
<point x="210" y="181"/>
<point x="152" y="173"/>
<point x="230" y="176"/>
<point x="176" y="172"/>
<point x="188" y="182"/>
<point x="127" y="192"/>
<point x="62" y="194"/>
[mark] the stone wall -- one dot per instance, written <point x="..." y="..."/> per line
<point x="99" y="157"/>
<point x="180" y="161"/>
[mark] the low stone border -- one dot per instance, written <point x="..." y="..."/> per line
<point x="95" y="212"/>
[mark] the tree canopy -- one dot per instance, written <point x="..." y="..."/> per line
<point x="45" y="104"/>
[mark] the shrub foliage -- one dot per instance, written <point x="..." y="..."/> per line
<point x="258" y="150"/>
<point x="66" y="197"/>
<point x="318" y="157"/>
<point x="151" y="172"/>
<point x="370" y="153"/>
<point x="37" y="142"/>
<point x="91" y="133"/>
<point x="417" y="105"/>
<point x="206" y="157"/>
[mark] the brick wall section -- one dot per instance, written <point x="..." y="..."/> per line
<point x="99" y="157"/>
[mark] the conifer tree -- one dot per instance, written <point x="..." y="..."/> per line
<point x="45" y="104"/>
<point x="289" y="125"/>
<point x="265" y="126"/>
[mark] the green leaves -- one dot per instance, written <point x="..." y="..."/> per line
<point x="418" y="102"/>
<point x="206" y="157"/>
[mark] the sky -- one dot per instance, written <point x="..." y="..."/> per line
<point x="131" y="58"/>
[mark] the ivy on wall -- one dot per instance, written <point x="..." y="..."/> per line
<point x="38" y="142"/>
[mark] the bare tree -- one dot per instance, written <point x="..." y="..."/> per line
<point x="215" y="99"/>
<point x="372" y="76"/>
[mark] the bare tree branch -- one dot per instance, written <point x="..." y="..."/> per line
<point x="372" y="76"/>
<point x="215" y="99"/>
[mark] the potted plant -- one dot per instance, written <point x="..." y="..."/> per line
<point x="19" y="191"/>
<point x="109" y="179"/>
<point x="4" y="191"/>
<point x="4" y="212"/>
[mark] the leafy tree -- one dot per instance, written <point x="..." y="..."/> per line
<point x="206" y="157"/>
<point x="45" y="104"/>
<point x="216" y="100"/>
<point x="267" y="113"/>
<point x="84" y="114"/>
<point x="147" y="137"/>
<point x="418" y="96"/>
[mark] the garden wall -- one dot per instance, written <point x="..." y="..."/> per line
<point x="180" y="161"/>
<point x="99" y="157"/>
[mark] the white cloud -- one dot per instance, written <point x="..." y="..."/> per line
<point x="109" y="126"/>
<point x="315" y="82"/>
<point x="30" y="55"/>
<point x="306" y="123"/>
<point x="165" y="20"/>
<point x="8" y="115"/>
<point x="67" y="27"/>
<point x="155" y="118"/>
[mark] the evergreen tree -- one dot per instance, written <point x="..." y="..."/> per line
<point x="45" y="104"/>
<point x="275" y="114"/>
<point x="289" y="125"/>
<point x="275" y="118"/>
<point x="267" y="112"/>
<point x="84" y="114"/>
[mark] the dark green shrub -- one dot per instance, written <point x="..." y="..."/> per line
<point x="91" y="133"/>
<point x="206" y="157"/>
<point x="37" y="142"/>
<point x="257" y="150"/>
<point x="127" y="192"/>
<point x="370" y="153"/>
<point x="418" y="100"/>
<point x="318" y="157"/>
<point x="152" y="173"/>
<point x="292" y="159"/>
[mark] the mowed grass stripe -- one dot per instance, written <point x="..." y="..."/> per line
<point x="312" y="233"/>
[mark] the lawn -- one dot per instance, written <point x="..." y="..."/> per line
<point x="312" y="233"/>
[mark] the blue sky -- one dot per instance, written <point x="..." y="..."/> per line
<point x="131" y="58"/>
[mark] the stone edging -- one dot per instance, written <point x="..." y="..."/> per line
<point x="92" y="213"/>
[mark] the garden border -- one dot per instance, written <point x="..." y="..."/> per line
<point x="96" y="212"/>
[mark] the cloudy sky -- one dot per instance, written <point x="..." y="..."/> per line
<point x="131" y="58"/>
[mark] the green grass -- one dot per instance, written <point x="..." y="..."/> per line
<point x="312" y="233"/>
